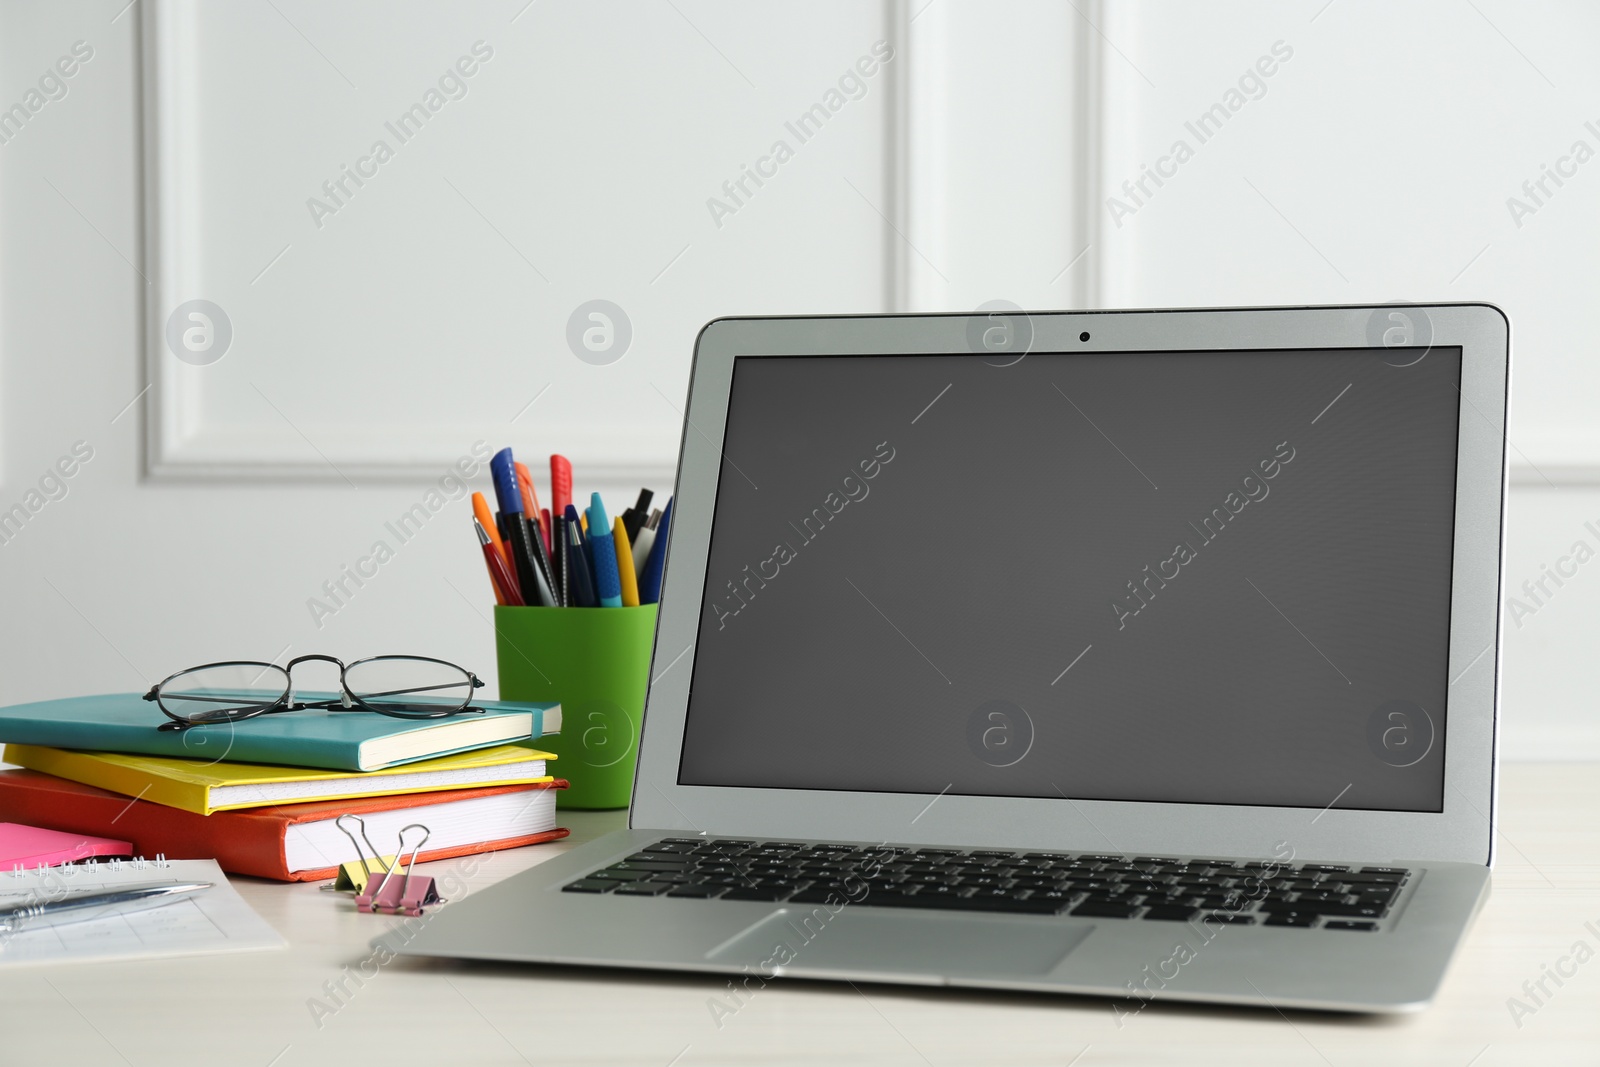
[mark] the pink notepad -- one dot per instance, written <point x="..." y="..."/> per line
<point x="29" y="846"/>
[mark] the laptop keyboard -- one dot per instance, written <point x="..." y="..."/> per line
<point x="1157" y="888"/>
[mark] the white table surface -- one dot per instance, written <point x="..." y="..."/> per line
<point x="254" y="1009"/>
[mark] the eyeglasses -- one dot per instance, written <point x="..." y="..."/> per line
<point x="405" y="687"/>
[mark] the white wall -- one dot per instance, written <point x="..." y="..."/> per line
<point x="1375" y="164"/>
<point x="425" y="314"/>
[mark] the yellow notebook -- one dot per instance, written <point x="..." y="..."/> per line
<point x="202" y="787"/>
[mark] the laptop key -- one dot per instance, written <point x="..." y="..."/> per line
<point x="1291" y="918"/>
<point x="1323" y="898"/>
<point x="1170" y="912"/>
<point x="1000" y="902"/>
<point x="1350" y="911"/>
<point x="1372" y="879"/>
<point x="641" y="889"/>
<point x="1231" y="918"/>
<point x="656" y="861"/>
<point x="588" y="885"/>
<point x="701" y="892"/>
<point x="1063" y="896"/>
<point x="1105" y="910"/>
<point x="1034" y="882"/>
<point x="1347" y="924"/>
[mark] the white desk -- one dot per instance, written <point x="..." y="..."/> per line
<point x="251" y="1010"/>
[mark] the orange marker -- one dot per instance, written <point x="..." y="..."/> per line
<point x="530" y="503"/>
<point x="625" y="571"/>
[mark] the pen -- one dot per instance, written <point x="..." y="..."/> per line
<point x="482" y="516"/>
<point x="541" y="576"/>
<point x="537" y="537"/>
<point x="85" y="906"/>
<point x="530" y="511"/>
<point x="578" y="567"/>
<point x="642" y="543"/>
<point x="650" y="582"/>
<point x="559" y="532"/>
<point x="534" y="586"/>
<point x="558" y="557"/>
<point x="505" y="589"/>
<point x="603" y="554"/>
<point x="625" y="572"/>
<point x="560" y="484"/>
<point x="635" y="517"/>
<point x="530" y="504"/>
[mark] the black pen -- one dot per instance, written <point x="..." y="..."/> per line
<point x="528" y="535"/>
<point x="559" y="539"/>
<point x="542" y="558"/>
<point x="635" y="517"/>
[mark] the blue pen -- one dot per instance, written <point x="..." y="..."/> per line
<point x="536" y="591"/>
<point x="603" y="555"/>
<point x="578" y="573"/>
<point x="650" y="583"/>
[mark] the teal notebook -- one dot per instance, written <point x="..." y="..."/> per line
<point x="333" y="740"/>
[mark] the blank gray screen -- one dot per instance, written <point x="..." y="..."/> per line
<point x="1210" y="577"/>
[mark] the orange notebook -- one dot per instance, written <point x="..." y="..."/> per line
<point x="288" y="842"/>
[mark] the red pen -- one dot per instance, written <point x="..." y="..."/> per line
<point x="560" y="484"/>
<point x="505" y="587"/>
<point x="480" y="509"/>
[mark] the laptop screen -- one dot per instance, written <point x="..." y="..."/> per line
<point x="1194" y="577"/>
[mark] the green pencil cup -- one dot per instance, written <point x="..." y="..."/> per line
<point x="594" y="662"/>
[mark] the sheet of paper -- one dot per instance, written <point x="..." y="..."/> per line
<point x="217" y="920"/>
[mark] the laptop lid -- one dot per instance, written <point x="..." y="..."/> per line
<point x="1200" y="582"/>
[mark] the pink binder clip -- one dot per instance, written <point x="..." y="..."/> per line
<point x="406" y="896"/>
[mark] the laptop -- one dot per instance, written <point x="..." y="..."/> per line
<point x="1146" y="654"/>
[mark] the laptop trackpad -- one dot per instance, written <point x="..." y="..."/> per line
<point x="855" y="939"/>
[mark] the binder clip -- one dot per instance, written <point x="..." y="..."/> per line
<point x="354" y="874"/>
<point x="407" y="896"/>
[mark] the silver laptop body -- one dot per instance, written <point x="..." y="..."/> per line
<point x="994" y="665"/>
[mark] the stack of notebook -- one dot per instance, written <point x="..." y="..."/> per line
<point x="261" y="796"/>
